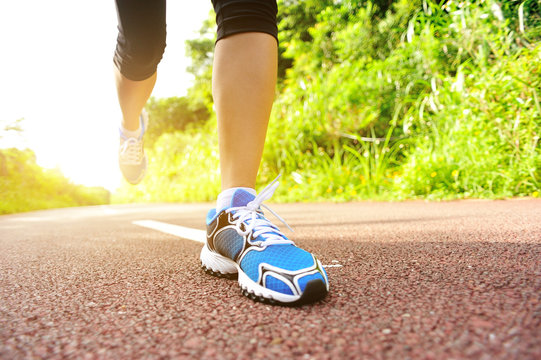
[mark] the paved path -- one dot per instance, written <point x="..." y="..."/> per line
<point x="408" y="280"/>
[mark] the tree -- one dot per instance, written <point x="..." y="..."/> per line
<point x="201" y="51"/>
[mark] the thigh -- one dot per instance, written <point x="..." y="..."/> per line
<point x="141" y="19"/>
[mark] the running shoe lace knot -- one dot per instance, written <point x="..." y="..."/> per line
<point x="255" y="222"/>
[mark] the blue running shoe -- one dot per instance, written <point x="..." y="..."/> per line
<point x="270" y="267"/>
<point x="131" y="155"/>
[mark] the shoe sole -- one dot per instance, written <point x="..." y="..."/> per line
<point x="217" y="265"/>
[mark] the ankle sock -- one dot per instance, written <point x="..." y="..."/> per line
<point x="131" y="133"/>
<point x="224" y="199"/>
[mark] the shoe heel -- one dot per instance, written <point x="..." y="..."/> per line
<point x="216" y="264"/>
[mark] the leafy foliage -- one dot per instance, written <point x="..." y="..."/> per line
<point x="368" y="96"/>
<point x="25" y="186"/>
<point x="172" y="114"/>
<point x="385" y="100"/>
<point x="201" y="51"/>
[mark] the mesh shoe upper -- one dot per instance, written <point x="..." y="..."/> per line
<point x="243" y="234"/>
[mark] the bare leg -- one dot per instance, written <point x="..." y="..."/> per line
<point x="243" y="84"/>
<point x="132" y="97"/>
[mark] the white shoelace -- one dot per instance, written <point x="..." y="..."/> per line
<point x="131" y="151"/>
<point x="253" y="219"/>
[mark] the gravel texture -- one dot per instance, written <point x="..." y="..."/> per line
<point x="448" y="280"/>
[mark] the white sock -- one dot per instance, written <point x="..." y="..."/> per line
<point x="224" y="199"/>
<point x="131" y="133"/>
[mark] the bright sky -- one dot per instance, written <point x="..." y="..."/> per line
<point x="56" y="72"/>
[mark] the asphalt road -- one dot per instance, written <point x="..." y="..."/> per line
<point x="408" y="280"/>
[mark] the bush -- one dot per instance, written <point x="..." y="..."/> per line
<point x="25" y="186"/>
<point x="416" y="99"/>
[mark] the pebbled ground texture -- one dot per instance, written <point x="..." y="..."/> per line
<point x="418" y="280"/>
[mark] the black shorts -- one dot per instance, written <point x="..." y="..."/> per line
<point x="142" y="34"/>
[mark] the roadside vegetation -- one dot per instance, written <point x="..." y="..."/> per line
<point x="25" y="186"/>
<point x="381" y="100"/>
<point x="384" y="100"/>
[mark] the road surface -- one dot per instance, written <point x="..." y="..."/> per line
<point x="412" y="280"/>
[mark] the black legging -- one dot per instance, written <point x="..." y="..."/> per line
<point x="141" y="29"/>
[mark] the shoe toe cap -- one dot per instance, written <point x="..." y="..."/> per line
<point x="312" y="278"/>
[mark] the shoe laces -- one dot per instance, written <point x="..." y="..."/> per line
<point x="255" y="222"/>
<point x="131" y="148"/>
<point x="131" y="151"/>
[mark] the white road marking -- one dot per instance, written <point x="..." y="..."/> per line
<point x="189" y="233"/>
<point x="176" y="230"/>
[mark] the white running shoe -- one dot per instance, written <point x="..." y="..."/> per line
<point x="131" y="154"/>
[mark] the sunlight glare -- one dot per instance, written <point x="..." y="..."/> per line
<point x="59" y="78"/>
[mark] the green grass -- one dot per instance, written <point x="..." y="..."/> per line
<point x="483" y="139"/>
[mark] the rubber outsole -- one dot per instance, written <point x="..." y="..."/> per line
<point x="234" y="276"/>
<point x="314" y="291"/>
